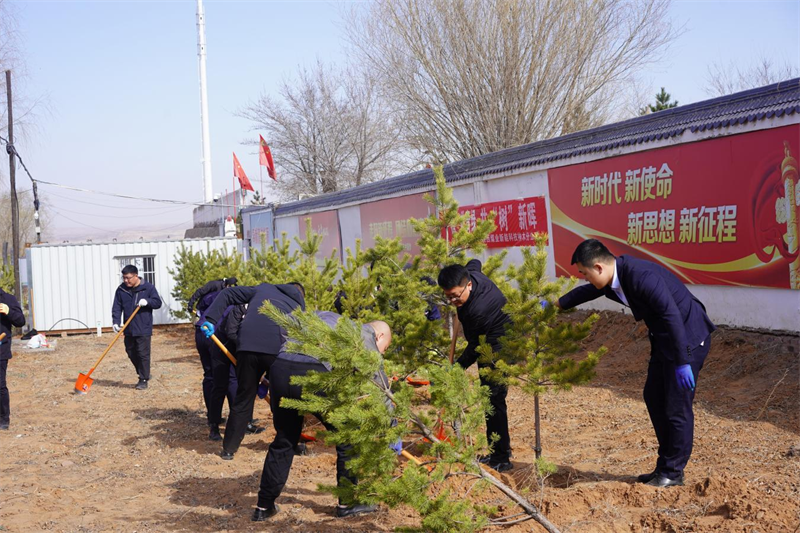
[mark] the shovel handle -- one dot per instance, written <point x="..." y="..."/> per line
<point x="223" y="349"/>
<point x="2" y="335"/>
<point x="456" y="325"/>
<point x="114" y="340"/>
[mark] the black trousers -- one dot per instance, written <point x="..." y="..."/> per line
<point x="138" y="350"/>
<point x="250" y="366"/>
<point x="288" y="425"/>
<point x="224" y="384"/>
<point x="670" y="409"/>
<point x="5" y="405"/>
<point x="497" y="421"/>
<point x="204" y="349"/>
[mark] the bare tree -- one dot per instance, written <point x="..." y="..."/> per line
<point x="475" y="76"/>
<point x="329" y="131"/>
<point x="27" y="231"/>
<point x="730" y="78"/>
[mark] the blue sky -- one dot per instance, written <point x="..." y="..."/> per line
<point x="120" y="81"/>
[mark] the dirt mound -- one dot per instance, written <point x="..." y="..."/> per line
<point x="123" y="460"/>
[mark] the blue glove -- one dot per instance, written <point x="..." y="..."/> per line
<point x="207" y="328"/>
<point x="544" y="303"/>
<point x="397" y="447"/>
<point x="262" y="390"/>
<point x="685" y="377"/>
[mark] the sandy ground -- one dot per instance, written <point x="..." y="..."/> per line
<point x="118" y="459"/>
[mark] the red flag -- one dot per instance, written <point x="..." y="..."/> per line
<point x="265" y="158"/>
<point x="238" y="172"/>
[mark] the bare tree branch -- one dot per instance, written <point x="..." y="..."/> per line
<point x="474" y="76"/>
<point x="330" y="130"/>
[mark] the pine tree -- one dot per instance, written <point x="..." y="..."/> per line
<point x="534" y="355"/>
<point x="535" y="352"/>
<point x="194" y="269"/>
<point x="271" y="264"/>
<point x="662" y="102"/>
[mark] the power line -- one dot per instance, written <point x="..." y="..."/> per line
<point x="103" y="205"/>
<point x="168" y="211"/>
<point x="129" y="197"/>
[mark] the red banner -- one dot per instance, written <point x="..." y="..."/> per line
<point x="326" y="223"/>
<point x="389" y="219"/>
<point x="516" y="220"/>
<point x="718" y="212"/>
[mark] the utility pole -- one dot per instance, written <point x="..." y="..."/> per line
<point x="208" y="193"/>
<point x="12" y="178"/>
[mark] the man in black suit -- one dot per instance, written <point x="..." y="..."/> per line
<point x="479" y="305"/>
<point x="680" y="337"/>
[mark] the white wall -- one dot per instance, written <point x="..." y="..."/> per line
<point x="350" y="227"/>
<point x="78" y="281"/>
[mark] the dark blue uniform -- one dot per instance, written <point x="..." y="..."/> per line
<point x="680" y="333"/>
<point x="259" y="343"/>
<point x="139" y="332"/>
<point x="14" y="317"/>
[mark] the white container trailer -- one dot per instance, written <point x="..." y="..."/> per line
<point x="72" y="285"/>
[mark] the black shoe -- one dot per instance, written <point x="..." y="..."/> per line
<point x="260" y="515"/>
<point x="252" y="429"/>
<point x="4" y="425"/>
<point x="141" y="385"/>
<point x="500" y="466"/>
<point x="226" y="456"/>
<point x="300" y="449"/>
<point x="213" y="433"/>
<point x="646" y="478"/>
<point x="662" y="482"/>
<point x="352" y="510"/>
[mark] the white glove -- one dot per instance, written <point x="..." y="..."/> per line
<point x="4" y="309"/>
<point x="142" y="302"/>
<point x="116" y="328"/>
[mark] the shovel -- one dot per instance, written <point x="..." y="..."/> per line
<point x="222" y="348"/>
<point x="84" y="382"/>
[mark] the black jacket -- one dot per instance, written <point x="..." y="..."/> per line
<point x="676" y="320"/>
<point x="125" y="301"/>
<point x="13" y="318"/>
<point x="257" y="332"/>
<point x="482" y="314"/>
<point x="234" y="322"/>
<point x="212" y="286"/>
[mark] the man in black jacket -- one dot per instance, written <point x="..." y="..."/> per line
<point x="479" y="306"/>
<point x="135" y="292"/>
<point x="260" y="341"/>
<point x="289" y="422"/>
<point x="10" y="316"/>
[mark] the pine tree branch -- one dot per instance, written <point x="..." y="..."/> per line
<point x="502" y="487"/>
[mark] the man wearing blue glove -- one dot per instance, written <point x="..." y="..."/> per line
<point x="258" y="344"/>
<point x="289" y="422"/>
<point x="680" y="337"/>
<point x="135" y="292"/>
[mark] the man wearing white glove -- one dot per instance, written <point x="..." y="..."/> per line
<point x="135" y="292"/>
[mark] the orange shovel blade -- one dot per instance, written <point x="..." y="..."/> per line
<point x="83" y="383"/>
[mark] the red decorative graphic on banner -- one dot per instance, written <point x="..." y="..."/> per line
<point x="722" y="211"/>
<point x="516" y="220"/>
